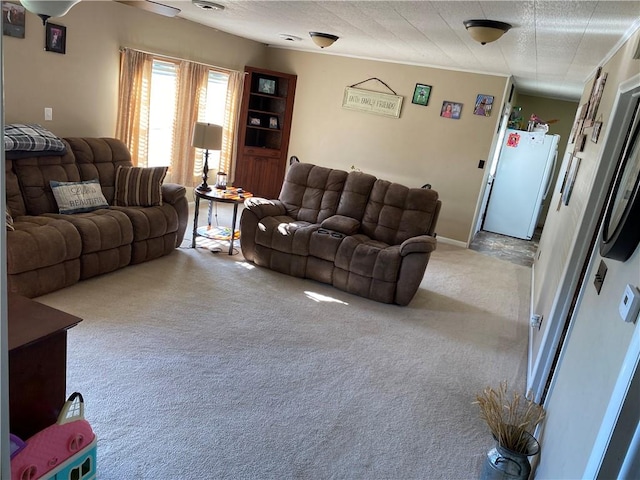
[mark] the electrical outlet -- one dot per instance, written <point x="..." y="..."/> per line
<point x="48" y="113"/>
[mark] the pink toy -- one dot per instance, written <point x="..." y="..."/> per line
<point x="54" y="452"/>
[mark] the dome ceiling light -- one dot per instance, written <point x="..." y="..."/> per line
<point x="486" y="31"/>
<point x="48" y="9"/>
<point x="323" y="40"/>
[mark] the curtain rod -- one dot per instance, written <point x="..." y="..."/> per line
<point x="169" y="57"/>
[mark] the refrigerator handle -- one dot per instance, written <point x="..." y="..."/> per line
<point x="553" y="167"/>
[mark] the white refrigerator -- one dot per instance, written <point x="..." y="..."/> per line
<point x="520" y="183"/>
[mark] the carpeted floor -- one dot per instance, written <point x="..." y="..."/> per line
<point x="202" y="366"/>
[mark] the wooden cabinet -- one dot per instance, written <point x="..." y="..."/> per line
<point x="263" y="134"/>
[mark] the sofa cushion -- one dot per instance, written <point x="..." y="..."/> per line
<point x="31" y="137"/>
<point x="369" y="258"/>
<point x="100" y="158"/>
<point x="395" y="212"/>
<point x="39" y="242"/>
<point x="34" y="175"/>
<point x="311" y="193"/>
<point x="284" y="234"/>
<point x="355" y="195"/>
<point x="76" y="197"/>
<point x="138" y="186"/>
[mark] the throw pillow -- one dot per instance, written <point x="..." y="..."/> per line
<point x="9" y="220"/>
<point x="76" y="197"/>
<point x="31" y="137"/>
<point x="139" y="186"/>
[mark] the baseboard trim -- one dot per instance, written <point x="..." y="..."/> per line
<point x="450" y="241"/>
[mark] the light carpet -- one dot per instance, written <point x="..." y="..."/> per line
<point x="202" y="366"/>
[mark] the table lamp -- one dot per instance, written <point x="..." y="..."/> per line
<point x="207" y="136"/>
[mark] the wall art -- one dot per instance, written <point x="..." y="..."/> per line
<point x="483" y="105"/>
<point x="451" y="110"/>
<point x="421" y="94"/>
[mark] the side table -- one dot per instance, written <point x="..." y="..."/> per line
<point x="37" y="364"/>
<point x="230" y="195"/>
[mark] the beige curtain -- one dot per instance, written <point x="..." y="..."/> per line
<point x="230" y="127"/>
<point x="132" y="125"/>
<point x="190" y="99"/>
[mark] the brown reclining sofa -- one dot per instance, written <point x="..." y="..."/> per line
<point x="358" y="233"/>
<point x="47" y="251"/>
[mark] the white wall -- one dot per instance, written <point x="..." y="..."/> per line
<point x="593" y="355"/>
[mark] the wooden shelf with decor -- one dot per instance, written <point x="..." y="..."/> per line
<point x="263" y="135"/>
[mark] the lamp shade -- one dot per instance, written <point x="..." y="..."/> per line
<point x="323" y="40"/>
<point x="48" y="9"/>
<point x="207" y="136"/>
<point x="486" y="31"/>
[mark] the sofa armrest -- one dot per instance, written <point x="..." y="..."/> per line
<point x="172" y="192"/>
<point x="261" y="207"/>
<point x="419" y="244"/>
<point x="341" y="224"/>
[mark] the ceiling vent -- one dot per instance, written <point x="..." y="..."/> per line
<point x="205" y="5"/>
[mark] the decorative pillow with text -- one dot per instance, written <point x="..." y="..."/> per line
<point x="139" y="186"/>
<point x="76" y="197"/>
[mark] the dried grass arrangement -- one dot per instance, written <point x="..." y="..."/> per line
<point x="511" y="418"/>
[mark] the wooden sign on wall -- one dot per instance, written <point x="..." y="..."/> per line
<point x="372" y="102"/>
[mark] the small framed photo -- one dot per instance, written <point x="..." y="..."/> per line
<point x="13" y="20"/>
<point x="421" y="94"/>
<point x="483" y="105"/>
<point x="254" y="121"/>
<point x="595" y="133"/>
<point x="273" y="122"/>
<point x="451" y="110"/>
<point x="572" y="173"/>
<point x="55" y="38"/>
<point x="581" y="141"/>
<point x="267" y="85"/>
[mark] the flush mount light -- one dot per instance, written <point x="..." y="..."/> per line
<point x="205" y="5"/>
<point x="486" y="31"/>
<point x="289" y="38"/>
<point x="47" y="9"/>
<point x="323" y="40"/>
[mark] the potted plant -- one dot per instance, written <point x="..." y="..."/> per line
<point x="512" y="419"/>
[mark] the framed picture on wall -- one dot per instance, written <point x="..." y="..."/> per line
<point x="13" y="20"/>
<point x="421" y="94"/>
<point x="451" y="110"/>
<point x="571" y="179"/>
<point x="483" y="105"/>
<point x="55" y="38"/>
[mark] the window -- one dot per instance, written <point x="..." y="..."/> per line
<point x="161" y="98"/>
<point x="162" y="110"/>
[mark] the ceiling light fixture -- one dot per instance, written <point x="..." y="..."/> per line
<point x="290" y="38"/>
<point x="47" y="9"/>
<point x="205" y="5"/>
<point x="323" y="40"/>
<point x="486" y="31"/>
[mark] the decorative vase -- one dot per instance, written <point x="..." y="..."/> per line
<point x="504" y="464"/>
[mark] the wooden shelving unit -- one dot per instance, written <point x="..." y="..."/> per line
<point x="265" y="125"/>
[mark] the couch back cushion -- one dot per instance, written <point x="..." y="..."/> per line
<point x="395" y="213"/>
<point x="100" y="158"/>
<point x="14" y="196"/>
<point x="34" y="175"/>
<point x="355" y="195"/>
<point x="311" y="193"/>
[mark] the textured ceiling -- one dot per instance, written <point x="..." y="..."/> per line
<point x="552" y="49"/>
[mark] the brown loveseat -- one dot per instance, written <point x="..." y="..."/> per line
<point x="47" y="250"/>
<point x="360" y="234"/>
